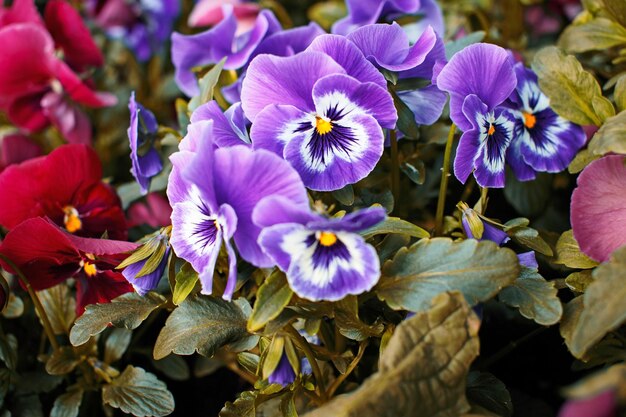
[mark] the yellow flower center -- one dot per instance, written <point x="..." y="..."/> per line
<point x="322" y="125"/>
<point x="491" y="130"/>
<point x="529" y="120"/>
<point x="327" y="238"/>
<point x="72" y="219"/>
<point x="89" y="267"/>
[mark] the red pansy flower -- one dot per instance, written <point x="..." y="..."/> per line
<point x="47" y="255"/>
<point x="65" y="186"/>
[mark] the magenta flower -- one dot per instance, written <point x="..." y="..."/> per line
<point x="324" y="259"/>
<point x="155" y="212"/>
<point x="213" y="192"/>
<point x="16" y="148"/>
<point x="598" y="209"/>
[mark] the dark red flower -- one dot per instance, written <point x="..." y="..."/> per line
<point x="16" y="148"/>
<point x="155" y="212"/>
<point x="65" y="186"/>
<point x="47" y="255"/>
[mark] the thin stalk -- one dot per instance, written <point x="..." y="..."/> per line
<point x="337" y="383"/>
<point x="395" y="167"/>
<point x="303" y="344"/>
<point x="483" y="199"/>
<point x="242" y="374"/>
<point x="38" y="306"/>
<point x="443" y="187"/>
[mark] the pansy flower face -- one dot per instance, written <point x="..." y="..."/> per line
<point x="324" y="259"/>
<point x="327" y="124"/>
<point x="543" y="141"/>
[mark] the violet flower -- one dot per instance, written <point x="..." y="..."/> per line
<point x="148" y="282"/>
<point x="283" y="374"/>
<point x="142" y="135"/>
<point x="229" y="128"/>
<point x="213" y="192"/>
<point x="480" y="78"/>
<point x="366" y="12"/>
<point x="221" y="41"/>
<point x="542" y="140"/>
<point x="324" y="259"/>
<point x="310" y="110"/>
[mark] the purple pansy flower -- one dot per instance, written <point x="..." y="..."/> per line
<point x="283" y="374"/>
<point x="317" y="114"/>
<point x="229" y="128"/>
<point x="365" y="12"/>
<point x="542" y="141"/>
<point x="142" y="134"/>
<point x="148" y="282"/>
<point x="143" y="25"/>
<point x="213" y="192"/>
<point x="475" y="228"/>
<point x="431" y="15"/>
<point x="324" y="259"/>
<point x="221" y="41"/>
<point x="479" y="79"/>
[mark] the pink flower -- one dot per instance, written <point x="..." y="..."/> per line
<point x="598" y="210"/>
<point x="155" y="212"/>
<point x="16" y="148"/>
<point x="211" y="12"/>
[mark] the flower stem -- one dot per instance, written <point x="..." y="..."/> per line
<point x="45" y="321"/>
<point x="337" y="382"/>
<point x="483" y="199"/>
<point x="302" y="343"/>
<point x="443" y="188"/>
<point x="395" y="167"/>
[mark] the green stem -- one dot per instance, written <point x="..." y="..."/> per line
<point x="483" y="200"/>
<point x="337" y="383"/>
<point x="38" y="306"/>
<point x="395" y="167"/>
<point x="302" y="343"/>
<point x="443" y="188"/>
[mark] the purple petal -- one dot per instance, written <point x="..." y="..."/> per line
<point x="528" y="260"/>
<point x="494" y="234"/>
<point x="289" y="42"/>
<point x="470" y="141"/>
<point x="275" y="126"/>
<point x="277" y="209"/>
<point x="481" y="69"/>
<point x="426" y="103"/>
<point x="353" y="222"/>
<point x="490" y="161"/>
<point x="228" y="221"/>
<point x="223" y="131"/>
<point x="365" y="12"/>
<point x="178" y="189"/>
<point x="283" y="374"/>
<point x="149" y="282"/>
<point x="515" y="159"/>
<point x="598" y="209"/>
<point x="388" y="46"/>
<point x="431" y="16"/>
<point x="351" y="59"/>
<point x="284" y="80"/>
<point x="271" y="240"/>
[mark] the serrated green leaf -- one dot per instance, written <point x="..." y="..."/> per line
<point x="579" y="281"/>
<point x="535" y="297"/>
<point x="423" y="369"/>
<point x="478" y="269"/>
<point x="174" y="367"/>
<point x="126" y="311"/>
<point x="574" y="93"/>
<point x="68" y="404"/>
<point x="611" y="138"/>
<point x="139" y="393"/>
<point x="60" y="307"/>
<point x="62" y="361"/>
<point x="186" y="280"/>
<point x="348" y="321"/>
<point x="395" y="225"/>
<point x="116" y="344"/>
<point x="529" y="198"/>
<point x="596" y="35"/>
<point x="207" y="83"/>
<point x="203" y="324"/>
<point x="243" y="406"/>
<point x="406" y="119"/>
<point x="272" y="297"/>
<point x="530" y="238"/>
<point x="455" y="46"/>
<point x="568" y="253"/>
<point x="604" y="309"/>
<point x="489" y="392"/>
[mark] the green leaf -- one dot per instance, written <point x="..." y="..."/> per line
<point x="395" y="225"/>
<point x="272" y="297"/>
<point x="406" y="119"/>
<point x="154" y="260"/>
<point x="139" y="393"/>
<point x="529" y="237"/>
<point x="611" y="137"/>
<point x="174" y="367"/>
<point x="345" y="195"/>
<point x="326" y="13"/>
<point x="581" y="160"/>
<point x="529" y="198"/>
<point x="68" y="404"/>
<point x="271" y="356"/>
<point x="243" y="406"/>
<point x="142" y="252"/>
<point x="62" y="361"/>
<point x="571" y="315"/>
<point x="535" y="297"/>
<point x="415" y="174"/>
<point x="207" y="83"/>
<point x="455" y="46"/>
<point x="287" y="405"/>
<point x="487" y="391"/>
<point x="182" y="115"/>
<point x="116" y="344"/>
<point x="604" y="307"/>
<point x="249" y="361"/>
<point x="126" y="311"/>
<point x="349" y="323"/>
<point x="8" y="350"/>
<point x="15" y="307"/>
<point x="423" y="369"/>
<point x="568" y="253"/>
<point x="617" y="10"/>
<point x="478" y="269"/>
<point x="203" y="324"/>
<point x="596" y="35"/>
<point x="574" y="93"/>
<point x="186" y="280"/>
<point x="579" y="281"/>
<point x="620" y="93"/>
<point x="60" y="307"/>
